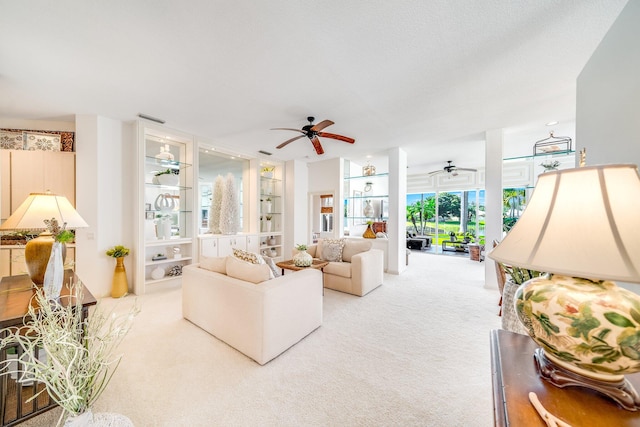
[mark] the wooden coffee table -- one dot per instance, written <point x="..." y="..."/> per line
<point x="289" y="265"/>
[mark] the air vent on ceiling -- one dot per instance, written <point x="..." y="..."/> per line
<point x="153" y="119"/>
<point x="266" y="153"/>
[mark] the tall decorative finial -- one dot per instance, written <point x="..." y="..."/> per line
<point x="583" y="157"/>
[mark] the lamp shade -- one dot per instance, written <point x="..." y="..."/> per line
<point x="31" y="214"/>
<point x="582" y="222"/>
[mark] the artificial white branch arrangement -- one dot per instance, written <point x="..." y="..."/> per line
<point x="81" y="357"/>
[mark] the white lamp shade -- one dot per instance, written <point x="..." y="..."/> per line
<point x="31" y="214"/>
<point x="582" y="222"/>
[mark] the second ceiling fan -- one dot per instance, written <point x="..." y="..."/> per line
<point x="452" y="169"/>
<point x="312" y="132"/>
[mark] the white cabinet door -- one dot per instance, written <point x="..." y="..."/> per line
<point x="253" y="243"/>
<point x="227" y="244"/>
<point x="208" y="247"/>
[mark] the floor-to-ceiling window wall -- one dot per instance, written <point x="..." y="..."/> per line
<point x="447" y="216"/>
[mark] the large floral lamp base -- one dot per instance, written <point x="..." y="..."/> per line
<point x="588" y="332"/>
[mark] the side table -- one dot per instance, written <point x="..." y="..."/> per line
<point x="16" y="293"/>
<point x="514" y="376"/>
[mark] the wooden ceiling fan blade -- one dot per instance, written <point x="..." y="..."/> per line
<point x="323" y="124"/>
<point x="316" y="144"/>
<point x="338" y="137"/>
<point x="295" y="130"/>
<point x="290" y="140"/>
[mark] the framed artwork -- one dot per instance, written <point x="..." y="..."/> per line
<point x="42" y="141"/>
<point x="356" y="208"/>
<point x="149" y="215"/>
<point x="147" y="206"/>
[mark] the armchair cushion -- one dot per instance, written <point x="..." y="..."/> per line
<point x="354" y="247"/>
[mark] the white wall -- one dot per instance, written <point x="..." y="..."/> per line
<point x="105" y="171"/>
<point x="608" y="94"/>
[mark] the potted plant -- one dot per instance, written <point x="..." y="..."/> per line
<point x="119" y="284"/>
<point x="302" y="258"/>
<point x="80" y="358"/>
<point x="267" y="205"/>
<point x="267" y="171"/>
<point x="267" y="223"/>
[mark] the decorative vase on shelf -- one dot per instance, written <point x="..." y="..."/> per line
<point x="54" y="274"/>
<point x="267" y="206"/>
<point x="157" y="273"/>
<point x="368" y="209"/>
<point x="369" y="233"/>
<point x="302" y="259"/>
<point x="267" y="226"/>
<point x="271" y="241"/>
<point x="119" y="284"/>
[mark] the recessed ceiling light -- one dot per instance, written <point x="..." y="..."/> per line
<point x="552" y="123"/>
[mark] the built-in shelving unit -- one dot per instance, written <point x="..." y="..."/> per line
<point x="166" y="227"/>
<point x="366" y="199"/>
<point x="271" y="210"/>
<point x="523" y="171"/>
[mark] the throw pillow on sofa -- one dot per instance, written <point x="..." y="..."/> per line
<point x="248" y="256"/>
<point x="249" y="272"/>
<point x="332" y="250"/>
<point x="272" y="265"/>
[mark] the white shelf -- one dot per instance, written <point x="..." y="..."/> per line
<point x="172" y="241"/>
<point x="168" y="261"/>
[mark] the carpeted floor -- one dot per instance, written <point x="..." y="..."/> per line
<point x="414" y="352"/>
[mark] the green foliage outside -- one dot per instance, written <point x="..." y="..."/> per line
<point x="421" y="217"/>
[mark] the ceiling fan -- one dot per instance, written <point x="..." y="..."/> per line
<point x="312" y="132"/>
<point x="451" y="169"/>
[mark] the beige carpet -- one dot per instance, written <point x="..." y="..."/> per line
<point x="414" y="352"/>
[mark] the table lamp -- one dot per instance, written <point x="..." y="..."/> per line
<point x="30" y="215"/>
<point x="582" y="228"/>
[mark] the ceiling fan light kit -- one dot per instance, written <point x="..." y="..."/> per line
<point x="312" y="132"/>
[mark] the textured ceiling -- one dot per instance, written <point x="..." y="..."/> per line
<point x="427" y="76"/>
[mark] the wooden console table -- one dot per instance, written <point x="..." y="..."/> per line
<point x="515" y="375"/>
<point x="16" y="293"/>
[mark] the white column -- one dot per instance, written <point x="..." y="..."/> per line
<point x="296" y="215"/>
<point x="492" y="200"/>
<point x="397" y="225"/>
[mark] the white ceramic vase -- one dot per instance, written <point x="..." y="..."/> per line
<point x="302" y="259"/>
<point x="54" y="274"/>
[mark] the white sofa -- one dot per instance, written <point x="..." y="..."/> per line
<point x="260" y="320"/>
<point x="359" y="271"/>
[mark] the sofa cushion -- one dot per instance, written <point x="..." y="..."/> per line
<point x="331" y="250"/>
<point x="249" y="272"/>
<point x="216" y="264"/>
<point x="251" y="257"/>
<point x="354" y="247"/>
<point x="342" y="269"/>
<point x="272" y="265"/>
